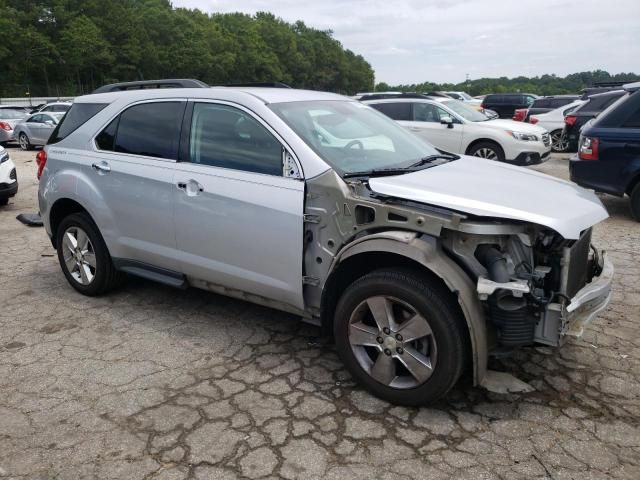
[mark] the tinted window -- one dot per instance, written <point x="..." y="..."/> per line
<point x="542" y="103"/>
<point x="56" y="108"/>
<point x="633" y="121"/>
<point x="599" y="103"/>
<point x="77" y="115"/>
<point x="106" y="139"/>
<point x="495" y="99"/>
<point x="396" y="111"/>
<point x="150" y="129"/>
<point x="36" y="119"/>
<point x="227" y="137"/>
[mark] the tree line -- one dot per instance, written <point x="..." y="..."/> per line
<point x="70" y="47"/>
<point x="540" y="85"/>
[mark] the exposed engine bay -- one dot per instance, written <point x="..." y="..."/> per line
<point x="526" y="281"/>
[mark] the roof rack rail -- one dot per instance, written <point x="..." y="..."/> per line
<point x="383" y="96"/>
<point x="611" y="84"/>
<point x="144" y="84"/>
<point x="257" y="84"/>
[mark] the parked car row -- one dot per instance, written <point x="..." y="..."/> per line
<point x="30" y="127"/>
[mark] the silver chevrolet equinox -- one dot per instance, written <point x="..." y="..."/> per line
<point x="421" y="264"/>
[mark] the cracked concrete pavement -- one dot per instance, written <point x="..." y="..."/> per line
<point x="150" y="382"/>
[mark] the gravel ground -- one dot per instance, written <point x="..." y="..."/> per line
<point x="150" y="382"/>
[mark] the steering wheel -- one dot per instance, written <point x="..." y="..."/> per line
<point x="353" y="143"/>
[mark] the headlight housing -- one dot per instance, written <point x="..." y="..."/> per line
<point x="525" y="137"/>
<point x="4" y="156"/>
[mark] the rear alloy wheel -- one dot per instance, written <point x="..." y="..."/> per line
<point x="24" y="142"/>
<point x="634" y="202"/>
<point x="84" y="257"/>
<point x="558" y="143"/>
<point x="400" y="335"/>
<point x="488" y="150"/>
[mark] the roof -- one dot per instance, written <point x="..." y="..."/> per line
<point x="266" y="95"/>
<point x="632" y="87"/>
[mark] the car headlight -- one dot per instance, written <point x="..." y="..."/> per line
<point x="525" y="137"/>
<point x="4" y="156"/>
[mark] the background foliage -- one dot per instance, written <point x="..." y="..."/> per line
<point x="543" y="85"/>
<point x="70" y="47"/>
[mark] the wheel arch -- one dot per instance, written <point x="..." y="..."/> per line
<point x="632" y="184"/>
<point x="483" y="140"/>
<point x="424" y="253"/>
<point x="61" y="209"/>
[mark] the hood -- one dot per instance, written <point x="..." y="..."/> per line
<point x="491" y="189"/>
<point x="504" y="124"/>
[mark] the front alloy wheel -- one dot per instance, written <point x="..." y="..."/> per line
<point x="486" y="152"/>
<point x="392" y="342"/>
<point x="79" y="255"/>
<point x="24" y="142"/>
<point x="401" y="334"/>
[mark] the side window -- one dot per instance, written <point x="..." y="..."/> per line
<point x="455" y="95"/>
<point x="633" y="121"/>
<point x="227" y="137"/>
<point x="35" y="119"/>
<point x="426" y="112"/>
<point x="106" y="138"/>
<point x="396" y="111"/>
<point x="150" y="129"/>
<point x="528" y="100"/>
<point x="47" y="109"/>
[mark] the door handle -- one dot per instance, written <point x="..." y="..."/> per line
<point x="190" y="187"/>
<point x="101" y="167"/>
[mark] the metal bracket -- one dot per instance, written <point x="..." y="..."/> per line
<point x="310" y="218"/>
<point x="313" y="281"/>
<point x="486" y="287"/>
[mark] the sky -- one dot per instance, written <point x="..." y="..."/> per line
<point x="412" y="41"/>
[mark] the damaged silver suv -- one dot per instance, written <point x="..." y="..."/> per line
<point x="421" y="264"/>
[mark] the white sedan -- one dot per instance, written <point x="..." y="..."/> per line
<point x="553" y="122"/>
<point x="453" y="126"/>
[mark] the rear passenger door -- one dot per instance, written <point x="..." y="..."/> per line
<point x="238" y="219"/>
<point x="132" y="168"/>
<point x="427" y="124"/>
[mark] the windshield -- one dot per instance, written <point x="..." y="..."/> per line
<point x="6" y="114"/>
<point x="352" y="137"/>
<point x="465" y="111"/>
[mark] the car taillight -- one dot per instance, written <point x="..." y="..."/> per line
<point x="519" y="114"/>
<point x="5" y="126"/>
<point x="570" y="120"/>
<point x="483" y="106"/>
<point x="533" y="120"/>
<point x="588" y="148"/>
<point x="41" y="160"/>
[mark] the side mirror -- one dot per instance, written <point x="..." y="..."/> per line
<point x="448" y="121"/>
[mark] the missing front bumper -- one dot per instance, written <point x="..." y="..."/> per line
<point x="560" y="321"/>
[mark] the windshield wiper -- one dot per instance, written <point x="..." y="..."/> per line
<point x="381" y="172"/>
<point x="432" y="158"/>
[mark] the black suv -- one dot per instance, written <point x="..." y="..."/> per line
<point x="546" y="104"/>
<point x="507" y="103"/>
<point x="575" y="120"/>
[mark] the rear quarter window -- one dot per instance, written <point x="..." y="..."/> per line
<point x="77" y="115"/>
<point x="396" y="111"/>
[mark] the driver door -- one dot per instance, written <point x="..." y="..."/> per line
<point x="238" y="219"/>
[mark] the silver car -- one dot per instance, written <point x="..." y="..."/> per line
<point x="420" y="264"/>
<point x="9" y="117"/>
<point x="36" y="129"/>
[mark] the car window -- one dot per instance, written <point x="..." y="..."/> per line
<point x="150" y="129"/>
<point x="494" y="99"/>
<point x="106" y="138"/>
<point x="541" y="103"/>
<point x="224" y="136"/>
<point x="455" y="95"/>
<point x="35" y="119"/>
<point x="8" y="114"/>
<point x="396" y="111"/>
<point x="599" y="103"/>
<point x="427" y="112"/>
<point x="77" y="115"/>
<point x="56" y="108"/>
<point x="528" y="100"/>
<point x="633" y="121"/>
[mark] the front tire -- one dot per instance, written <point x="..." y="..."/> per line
<point x="401" y="335"/>
<point x="634" y="202"/>
<point x="84" y="257"/>
<point x="487" y="150"/>
<point x="24" y="142"/>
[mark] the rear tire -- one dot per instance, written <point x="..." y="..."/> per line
<point x="419" y="356"/>
<point x="487" y="150"/>
<point x="4" y="201"/>
<point x="24" y="142"/>
<point x="558" y="143"/>
<point x="634" y="202"/>
<point x="84" y="257"/>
